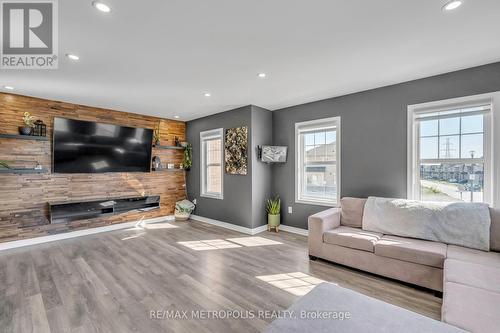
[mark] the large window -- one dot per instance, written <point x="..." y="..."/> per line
<point x="318" y="162"/>
<point x="451" y="153"/>
<point x="211" y="143"/>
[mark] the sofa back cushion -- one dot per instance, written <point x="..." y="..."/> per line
<point x="352" y="212"/>
<point x="495" y="230"/>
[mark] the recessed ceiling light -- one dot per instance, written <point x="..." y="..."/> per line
<point x="451" y="5"/>
<point x="101" y="6"/>
<point x="72" y="56"/>
<point x="262" y="75"/>
<point x="176" y="117"/>
<point x="207" y="94"/>
<point x="8" y="87"/>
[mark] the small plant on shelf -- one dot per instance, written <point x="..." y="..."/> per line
<point x="28" y="124"/>
<point x="187" y="161"/>
<point x="273" y="208"/>
<point x="4" y="165"/>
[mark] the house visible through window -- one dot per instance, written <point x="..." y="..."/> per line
<point x="452" y="154"/>
<point x="211" y="163"/>
<point x="318" y="161"/>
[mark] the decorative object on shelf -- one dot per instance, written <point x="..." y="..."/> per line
<point x="273" y="208"/>
<point x="177" y="142"/>
<point x="156" y="163"/>
<point x="28" y="124"/>
<point x="187" y="161"/>
<point x="170" y="166"/>
<point x="184" y="144"/>
<point x="156" y="135"/>
<point x="39" y="128"/>
<point x="183" y="210"/>
<point x="236" y="146"/>
<point x="38" y="166"/>
<point x="4" y="165"/>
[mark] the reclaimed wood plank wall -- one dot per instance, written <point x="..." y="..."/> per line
<point x="24" y="209"/>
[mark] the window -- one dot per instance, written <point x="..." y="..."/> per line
<point x="211" y="164"/>
<point x="450" y="152"/>
<point x="317" y="159"/>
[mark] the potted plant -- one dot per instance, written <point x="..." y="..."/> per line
<point x="273" y="208"/>
<point x="28" y="124"/>
<point x="187" y="161"/>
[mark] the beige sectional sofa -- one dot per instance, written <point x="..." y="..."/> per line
<point x="468" y="278"/>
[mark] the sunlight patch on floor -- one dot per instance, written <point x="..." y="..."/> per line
<point x="253" y="241"/>
<point x="134" y="236"/>
<point x="211" y="244"/>
<point x="152" y="226"/>
<point x="296" y="283"/>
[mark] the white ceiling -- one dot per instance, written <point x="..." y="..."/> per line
<point x="158" y="57"/>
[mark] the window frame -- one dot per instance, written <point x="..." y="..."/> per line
<point x="413" y="143"/>
<point x="204" y="137"/>
<point x="317" y="125"/>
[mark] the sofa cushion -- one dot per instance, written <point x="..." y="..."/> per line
<point x="473" y="275"/>
<point x="475" y="256"/>
<point x="352" y="211"/>
<point x="413" y="250"/>
<point x="470" y="308"/>
<point x="353" y="238"/>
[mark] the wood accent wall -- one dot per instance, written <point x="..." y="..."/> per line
<point x="24" y="209"/>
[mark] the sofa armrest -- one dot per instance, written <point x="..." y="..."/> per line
<point x="318" y="224"/>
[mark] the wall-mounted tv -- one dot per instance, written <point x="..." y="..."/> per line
<point x="274" y="154"/>
<point x="90" y="147"/>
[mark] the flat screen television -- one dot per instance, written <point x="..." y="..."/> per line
<point x="274" y="154"/>
<point x="90" y="147"/>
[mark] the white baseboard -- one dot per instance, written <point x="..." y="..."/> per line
<point x="230" y="226"/>
<point x="79" y="233"/>
<point x="246" y="230"/>
<point x="294" y="230"/>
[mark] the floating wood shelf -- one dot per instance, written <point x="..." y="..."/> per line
<point x="168" y="147"/>
<point x="24" y="137"/>
<point x="22" y="171"/>
<point x="168" y="170"/>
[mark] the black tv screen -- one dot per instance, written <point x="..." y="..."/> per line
<point x="89" y="147"/>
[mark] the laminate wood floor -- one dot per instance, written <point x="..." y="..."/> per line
<point x="111" y="282"/>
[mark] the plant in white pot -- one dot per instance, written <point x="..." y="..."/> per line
<point x="273" y="208"/>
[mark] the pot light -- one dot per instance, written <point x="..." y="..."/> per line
<point x="176" y="117"/>
<point x="207" y="94"/>
<point x="101" y="6"/>
<point x="8" y="87"/>
<point x="262" y="75"/>
<point x="451" y="5"/>
<point x="73" y="57"/>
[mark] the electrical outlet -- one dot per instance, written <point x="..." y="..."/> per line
<point x="290" y="210"/>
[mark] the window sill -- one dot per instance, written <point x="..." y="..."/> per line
<point x="317" y="203"/>
<point x="212" y="196"/>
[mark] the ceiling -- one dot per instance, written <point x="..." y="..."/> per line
<point x="159" y="57"/>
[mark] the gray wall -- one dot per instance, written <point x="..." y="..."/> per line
<point x="236" y="208"/>
<point x="262" y="134"/>
<point x="373" y="160"/>
<point x="244" y="196"/>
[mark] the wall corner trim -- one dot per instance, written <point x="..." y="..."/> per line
<point x="294" y="230"/>
<point x="79" y="233"/>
